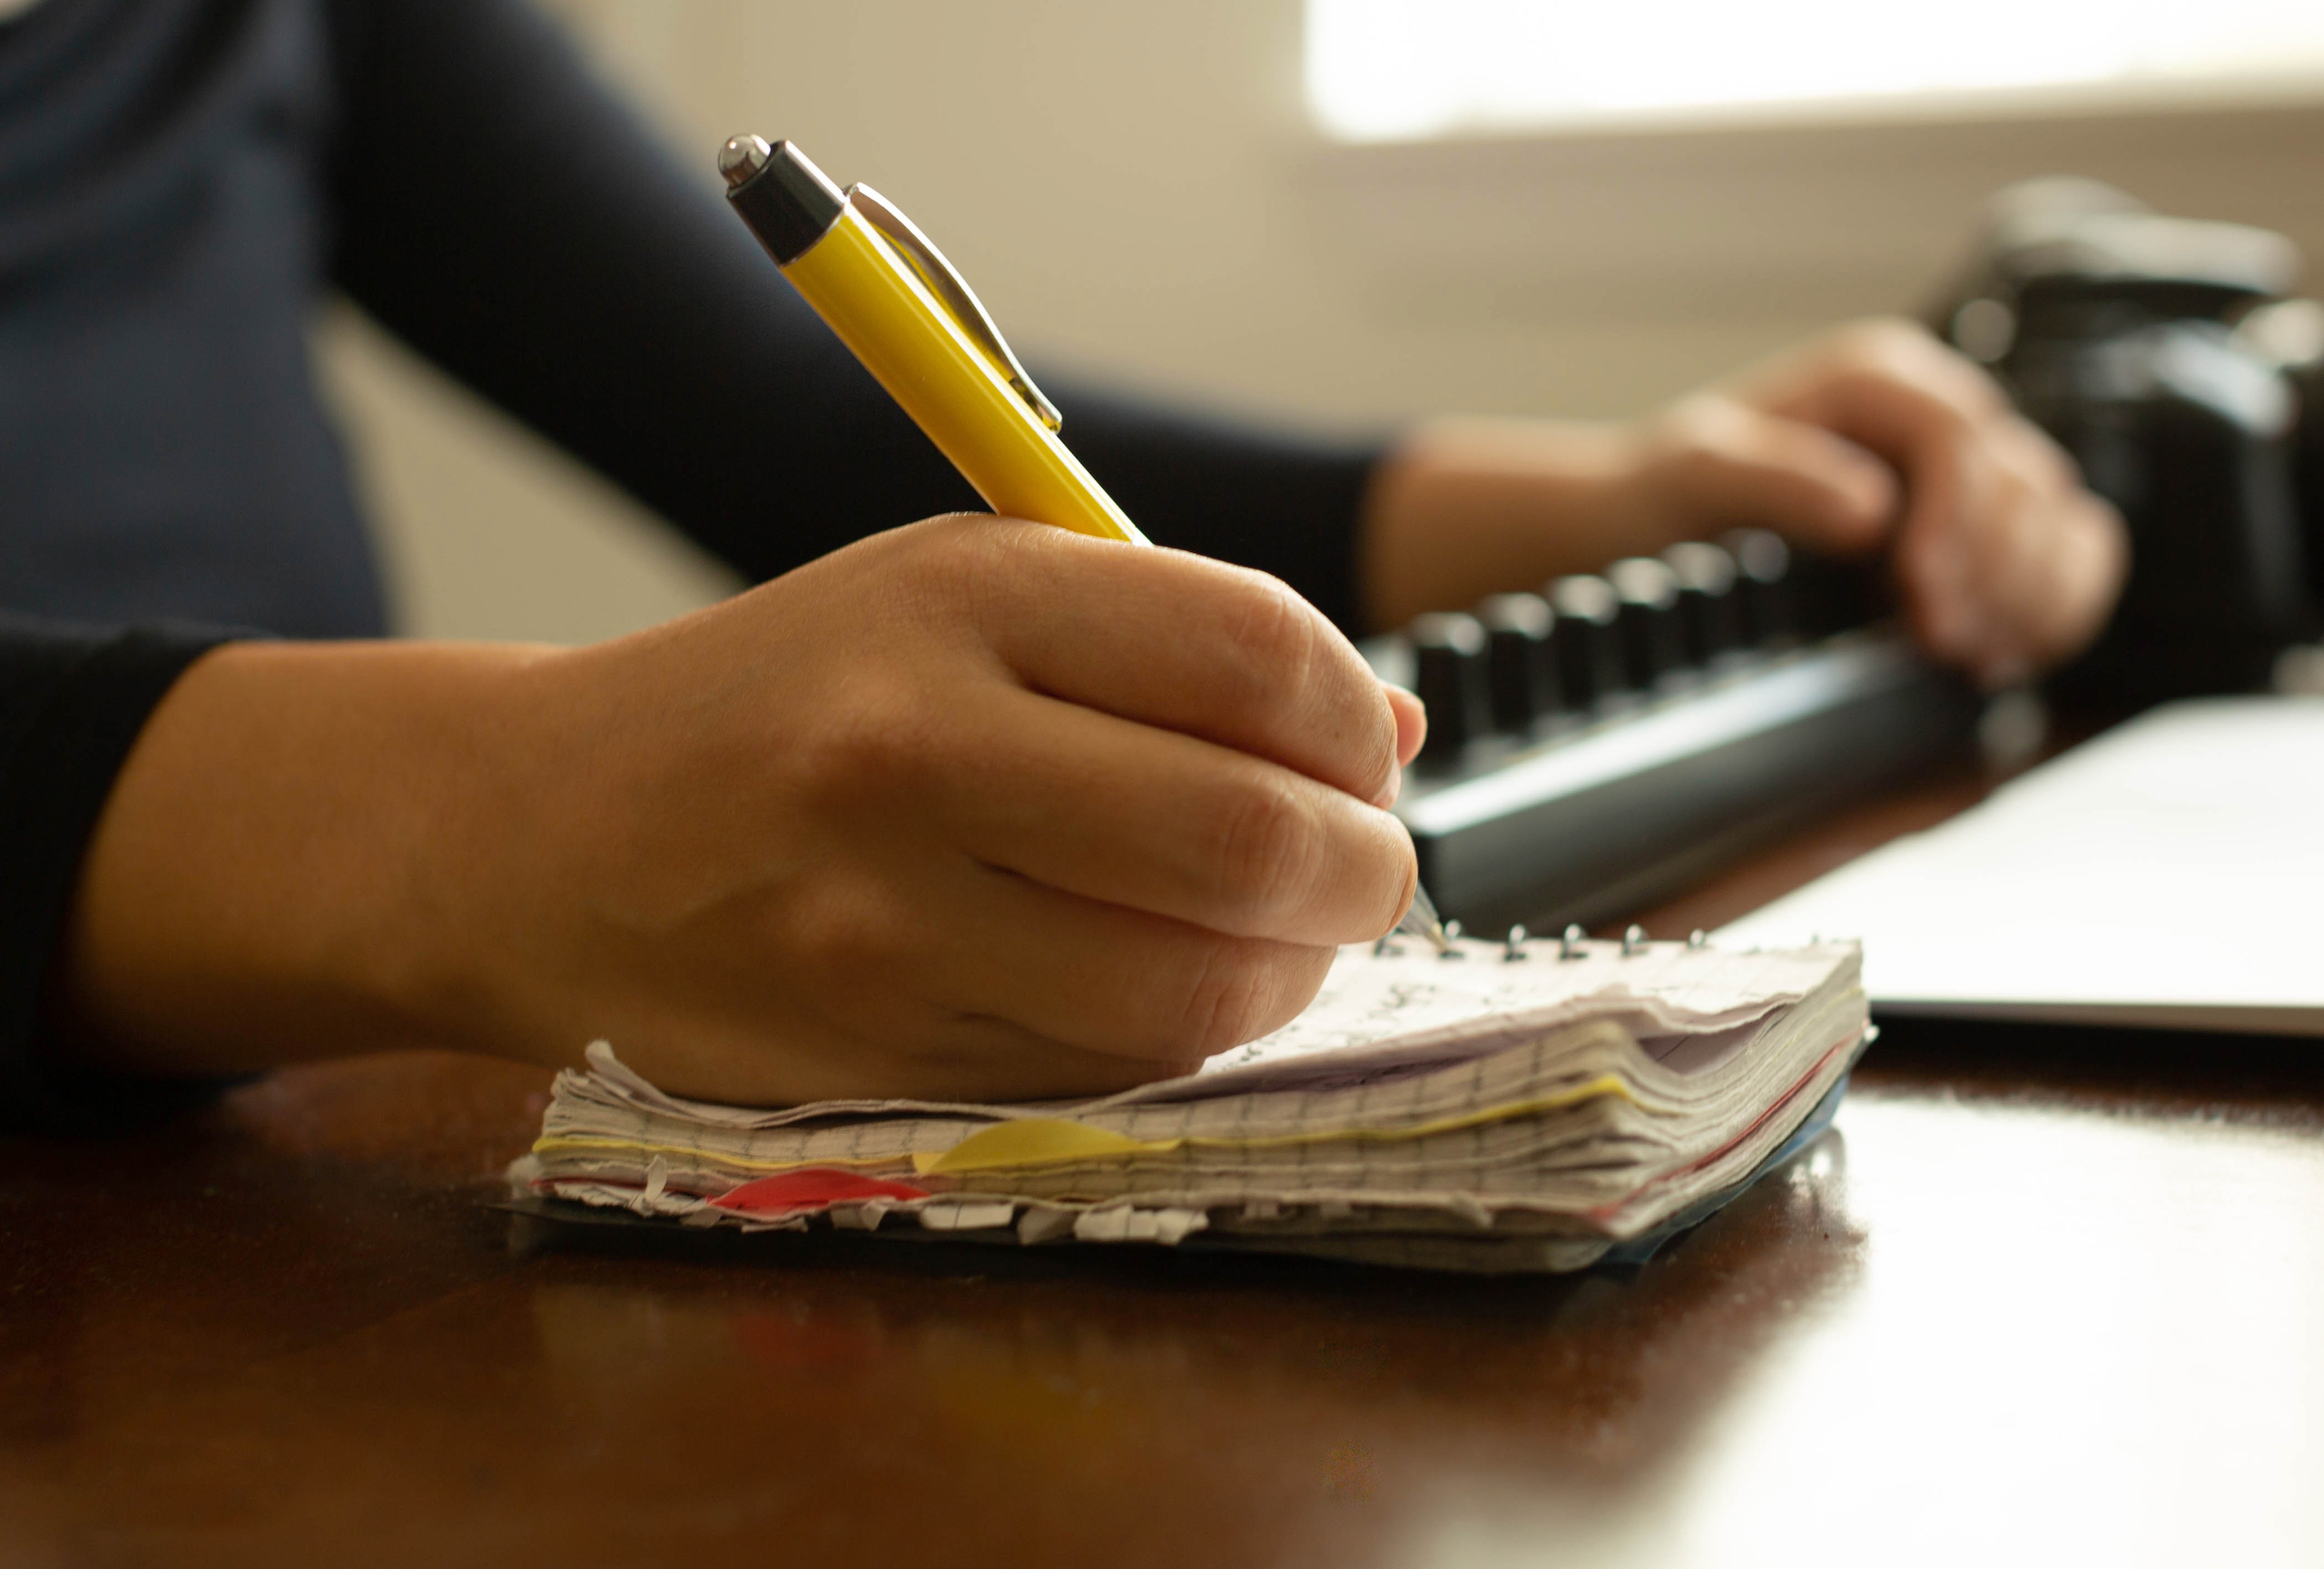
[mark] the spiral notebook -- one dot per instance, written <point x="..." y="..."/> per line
<point x="1500" y="1107"/>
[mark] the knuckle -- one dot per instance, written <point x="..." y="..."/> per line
<point x="1702" y="463"/>
<point x="1694" y="429"/>
<point x="1691" y="447"/>
<point x="1273" y="635"/>
<point x="1886" y="343"/>
<point x="844" y="939"/>
<point x="1269" y="845"/>
<point x="2000" y="501"/>
<point x="1905" y="353"/>
<point x="879" y="746"/>
<point x="975" y="568"/>
<point x="994" y="574"/>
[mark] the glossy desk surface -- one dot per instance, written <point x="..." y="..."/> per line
<point x="2036" y="1301"/>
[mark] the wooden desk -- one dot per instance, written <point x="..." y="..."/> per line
<point x="2036" y="1302"/>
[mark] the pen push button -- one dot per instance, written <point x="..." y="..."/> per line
<point x="786" y="201"/>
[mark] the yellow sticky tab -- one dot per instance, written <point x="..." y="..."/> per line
<point x="1035" y="1141"/>
<point x="565" y="1143"/>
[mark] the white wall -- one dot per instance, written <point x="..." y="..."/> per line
<point x="1136" y="187"/>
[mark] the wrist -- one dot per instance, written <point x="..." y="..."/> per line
<point x="275" y="875"/>
<point x="1467" y="507"/>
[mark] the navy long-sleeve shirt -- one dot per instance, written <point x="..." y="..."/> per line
<point x="182" y="180"/>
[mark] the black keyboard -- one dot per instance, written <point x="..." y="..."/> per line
<point x="1605" y="743"/>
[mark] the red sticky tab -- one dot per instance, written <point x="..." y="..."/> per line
<point x="815" y="1188"/>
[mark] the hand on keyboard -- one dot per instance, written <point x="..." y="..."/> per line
<point x="1874" y="436"/>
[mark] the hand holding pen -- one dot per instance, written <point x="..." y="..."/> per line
<point x="976" y="808"/>
<point x="904" y="311"/>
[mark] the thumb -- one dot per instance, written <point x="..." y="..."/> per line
<point x="1739" y="465"/>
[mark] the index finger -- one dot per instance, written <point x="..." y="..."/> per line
<point x="1898" y="393"/>
<point x="1187" y="643"/>
<point x="1885" y="385"/>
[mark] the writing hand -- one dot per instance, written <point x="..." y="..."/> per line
<point x="971" y="808"/>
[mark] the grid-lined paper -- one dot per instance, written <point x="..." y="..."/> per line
<point x="1591" y="1096"/>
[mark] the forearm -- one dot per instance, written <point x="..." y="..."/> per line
<point x="274" y="875"/>
<point x="1464" y="507"/>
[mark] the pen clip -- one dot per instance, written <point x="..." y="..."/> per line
<point x="916" y="250"/>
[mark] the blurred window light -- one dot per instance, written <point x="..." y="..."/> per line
<point x="1387" y="69"/>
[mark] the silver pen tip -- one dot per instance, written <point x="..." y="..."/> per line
<point x="741" y="157"/>
<point x="1421" y="920"/>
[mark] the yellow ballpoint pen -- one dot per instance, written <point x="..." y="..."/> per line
<point x="902" y="309"/>
<point x="904" y="313"/>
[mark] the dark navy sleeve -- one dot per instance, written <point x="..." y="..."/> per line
<point x="73" y="700"/>
<point x="502" y="210"/>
